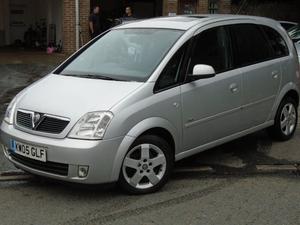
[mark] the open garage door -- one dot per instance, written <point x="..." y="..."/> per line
<point x="31" y="23"/>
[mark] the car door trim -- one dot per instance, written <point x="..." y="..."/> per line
<point x="258" y="102"/>
<point x="209" y="118"/>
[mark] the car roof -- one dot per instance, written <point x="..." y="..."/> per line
<point x="186" y="22"/>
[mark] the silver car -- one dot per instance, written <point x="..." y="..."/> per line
<point x="143" y="95"/>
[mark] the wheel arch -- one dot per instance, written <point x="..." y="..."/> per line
<point x="156" y="126"/>
<point x="289" y="90"/>
<point x="292" y="94"/>
<point x="163" y="133"/>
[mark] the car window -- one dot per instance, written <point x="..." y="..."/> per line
<point x="212" y="48"/>
<point x="294" y="33"/>
<point x="170" y="76"/>
<point x="251" y="46"/>
<point x="277" y="42"/>
<point x="287" y="26"/>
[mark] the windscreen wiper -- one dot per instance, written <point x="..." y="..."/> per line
<point x="90" y="76"/>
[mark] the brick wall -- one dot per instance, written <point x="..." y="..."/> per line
<point x="225" y="6"/>
<point x="170" y="6"/>
<point x="69" y="36"/>
<point x="202" y="6"/>
<point x="84" y="24"/>
<point x="69" y="27"/>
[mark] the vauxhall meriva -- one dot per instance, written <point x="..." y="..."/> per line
<point x="143" y="95"/>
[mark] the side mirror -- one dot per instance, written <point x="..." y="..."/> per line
<point x="202" y="71"/>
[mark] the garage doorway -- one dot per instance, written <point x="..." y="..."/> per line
<point x="31" y="24"/>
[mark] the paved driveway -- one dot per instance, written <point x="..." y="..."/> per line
<point x="234" y="193"/>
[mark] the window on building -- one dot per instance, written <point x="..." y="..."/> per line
<point x="212" y="48"/>
<point x="213" y="6"/>
<point x="188" y="6"/>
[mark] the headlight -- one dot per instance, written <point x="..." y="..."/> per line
<point x="10" y="111"/>
<point x="91" y="126"/>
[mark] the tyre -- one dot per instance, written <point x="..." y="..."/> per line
<point x="146" y="166"/>
<point x="286" y="120"/>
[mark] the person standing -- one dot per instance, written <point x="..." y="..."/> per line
<point x="128" y="13"/>
<point x="95" y="22"/>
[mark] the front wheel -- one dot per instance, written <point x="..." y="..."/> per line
<point x="146" y="166"/>
<point x="286" y="120"/>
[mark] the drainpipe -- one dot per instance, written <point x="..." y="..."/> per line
<point x="77" y="23"/>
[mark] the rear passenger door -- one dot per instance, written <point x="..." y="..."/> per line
<point x="261" y="78"/>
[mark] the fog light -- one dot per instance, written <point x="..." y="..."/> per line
<point x="83" y="171"/>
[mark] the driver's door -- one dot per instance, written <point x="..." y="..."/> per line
<point x="211" y="108"/>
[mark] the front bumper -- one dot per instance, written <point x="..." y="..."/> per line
<point x="100" y="156"/>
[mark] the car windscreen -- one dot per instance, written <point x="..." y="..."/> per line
<point x="124" y="54"/>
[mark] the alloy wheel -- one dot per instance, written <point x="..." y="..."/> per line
<point x="144" y="166"/>
<point x="288" y="119"/>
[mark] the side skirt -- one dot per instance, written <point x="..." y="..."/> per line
<point x="207" y="146"/>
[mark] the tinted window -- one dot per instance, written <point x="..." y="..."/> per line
<point x="287" y="26"/>
<point x="170" y="76"/>
<point x="251" y="46"/>
<point x="278" y="44"/>
<point x="212" y="48"/>
<point x="294" y="33"/>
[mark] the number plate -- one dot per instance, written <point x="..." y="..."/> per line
<point x="29" y="151"/>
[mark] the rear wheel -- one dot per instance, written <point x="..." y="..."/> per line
<point x="146" y="166"/>
<point x="286" y="120"/>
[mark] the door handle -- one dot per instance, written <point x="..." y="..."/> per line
<point x="233" y="88"/>
<point x="275" y="74"/>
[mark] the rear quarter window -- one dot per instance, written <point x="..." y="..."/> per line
<point x="277" y="42"/>
<point x="250" y="45"/>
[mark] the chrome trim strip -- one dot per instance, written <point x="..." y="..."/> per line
<point x="258" y="102"/>
<point x="209" y="118"/>
<point x="194" y="123"/>
<point x="45" y="114"/>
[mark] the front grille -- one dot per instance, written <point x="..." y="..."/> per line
<point x="24" y="119"/>
<point x="45" y="123"/>
<point x="52" y="125"/>
<point x="50" y="167"/>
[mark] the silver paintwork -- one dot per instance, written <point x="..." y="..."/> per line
<point x="198" y="115"/>
<point x="297" y="45"/>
